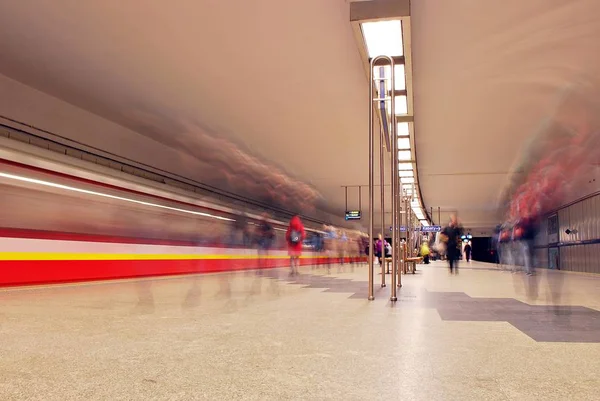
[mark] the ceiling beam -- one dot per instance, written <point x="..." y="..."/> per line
<point x="384" y="62"/>
<point x="379" y="9"/>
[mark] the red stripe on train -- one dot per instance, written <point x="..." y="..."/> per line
<point x="18" y="273"/>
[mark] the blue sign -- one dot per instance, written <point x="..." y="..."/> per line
<point x="429" y="229"/>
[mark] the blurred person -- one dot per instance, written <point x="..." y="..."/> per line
<point x="439" y="246"/>
<point x="265" y="235"/>
<point x="329" y="242"/>
<point x="468" y="250"/>
<point x="342" y="247"/>
<point x="380" y="249"/>
<point x="425" y="252"/>
<point x="495" y="243"/>
<point x="451" y="234"/>
<point x="355" y="250"/>
<point x="526" y="231"/>
<point x="240" y="233"/>
<point x="294" y="236"/>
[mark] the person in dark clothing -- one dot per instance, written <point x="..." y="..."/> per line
<point x="468" y="250"/>
<point x="452" y="234"/>
<point x="496" y="240"/>
<point x="240" y="226"/>
<point x="526" y="231"/>
<point x="265" y="235"/>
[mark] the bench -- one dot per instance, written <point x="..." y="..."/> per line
<point x="412" y="263"/>
<point x="388" y="262"/>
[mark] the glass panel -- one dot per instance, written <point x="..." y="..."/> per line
<point x="383" y="38"/>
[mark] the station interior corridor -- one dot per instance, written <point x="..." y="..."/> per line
<point x="162" y="164"/>
<point x="485" y="334"/>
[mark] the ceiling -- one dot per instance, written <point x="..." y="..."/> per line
<point x="282" y="82"/>
<point x="281" y="85"/>
<point x="487" y="74"/>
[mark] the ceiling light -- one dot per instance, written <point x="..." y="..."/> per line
<point x="404" y="155"/>
<point x="405" y="173"/>
<point x="407" y="180"/>
<point x="405" y="166"/>
<point x="424" y="223"/>
<point x="383" y="38"/>
<point x="402" y="129"/>
<point x="403" y="143"/>
<point x="401" y="105"/>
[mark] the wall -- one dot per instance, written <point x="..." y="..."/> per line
<point x="579" y="251"/>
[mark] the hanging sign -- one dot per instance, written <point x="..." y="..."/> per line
<point x="431" y="229"/>
<point x="353" y="215"/>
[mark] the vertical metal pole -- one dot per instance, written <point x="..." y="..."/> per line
<point x="360" y="198"/>
<point x="395" y="189"/>
<point x="382" y="183"/>
<point x="411" y="223"/>
<point x="439" y="216"/>
<point x="371" y="183"/>
<point x="403" y="247"/>
<point x="346" y="189"/>
<point x="382" y="98"/>
<point x="399" y="254"/>
<point x="432" y="223"/>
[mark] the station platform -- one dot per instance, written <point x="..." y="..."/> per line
<point x="484" y="334"/>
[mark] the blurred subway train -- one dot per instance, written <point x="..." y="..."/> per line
<point x="60" y="222"/>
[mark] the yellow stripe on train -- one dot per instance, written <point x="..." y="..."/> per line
<point x="39" y="256"/>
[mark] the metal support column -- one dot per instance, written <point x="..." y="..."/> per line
<point x="371" y="185"/>
<point x="395" y="185"/>
<point x="346" y="193"/>
<point x="398" y="207"/>
<point x="382" y="98"/>
<point x="382" y="183"/>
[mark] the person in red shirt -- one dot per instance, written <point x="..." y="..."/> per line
<point x="295" y="236"/>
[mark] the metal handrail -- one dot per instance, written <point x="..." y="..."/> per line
<point x="394" y="177"/>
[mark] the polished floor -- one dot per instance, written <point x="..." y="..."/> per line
<point x="484" y="334"/>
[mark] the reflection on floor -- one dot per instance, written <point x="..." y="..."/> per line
<point x="483" y="334"/>
<point x="560" y="323"/>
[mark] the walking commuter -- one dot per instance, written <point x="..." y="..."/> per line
<point x="425" y="252"/>
<point x="265" y="235"/>
<point x="295" y="236"/>
<point x="526" y="235"/>
<point x="380" y="249"/>
<point x="468" y="250"/>
<point x="452" y="234"/>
